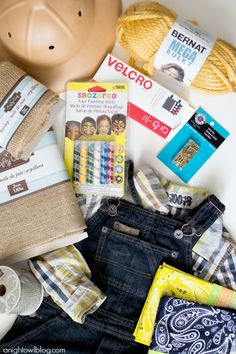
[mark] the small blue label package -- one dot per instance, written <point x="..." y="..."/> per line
<point x="192" y="146"/>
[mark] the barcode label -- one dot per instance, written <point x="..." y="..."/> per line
<point x="119" y="87"/>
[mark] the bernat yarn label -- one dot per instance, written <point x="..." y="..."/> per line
<point x="16" y="105"/>
<point x="184" y="51"/>
<point x="45" y="168"/>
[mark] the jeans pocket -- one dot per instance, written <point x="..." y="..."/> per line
<point x="124" y="268"/>
<point x="120" y="257"/>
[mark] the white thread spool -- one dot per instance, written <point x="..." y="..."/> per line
<point x="20" y="292"/>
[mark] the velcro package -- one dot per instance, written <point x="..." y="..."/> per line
<point x="150" y="104"/>
<point x="192" y="146"/>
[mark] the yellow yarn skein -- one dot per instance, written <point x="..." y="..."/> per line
<point x="142" y="29"/>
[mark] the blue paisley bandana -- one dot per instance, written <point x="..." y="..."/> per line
<point x="183" y="327"/>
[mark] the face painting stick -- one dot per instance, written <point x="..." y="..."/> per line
<point x="83" y="162"/>
<point x="110" y="167"/>
<point x="76" y="161"/>
<point x="90" y="163"/>
<point x="104" y="163"/>
<point x="97" y="162"/>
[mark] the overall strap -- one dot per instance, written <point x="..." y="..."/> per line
<point x="129" y="166"/>
<point x="199" y="219"/>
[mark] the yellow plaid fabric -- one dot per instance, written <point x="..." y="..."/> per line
<point x="65" y="276"/>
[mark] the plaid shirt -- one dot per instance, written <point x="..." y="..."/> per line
<point x="65" y="276"/>
<point x="213" y="261"/>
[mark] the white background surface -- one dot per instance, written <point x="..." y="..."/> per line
<point x="218" y="175"/>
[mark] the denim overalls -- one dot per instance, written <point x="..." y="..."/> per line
<point x="126" y="244"/>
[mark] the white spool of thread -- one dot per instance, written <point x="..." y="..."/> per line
<point x="20" y="292"/>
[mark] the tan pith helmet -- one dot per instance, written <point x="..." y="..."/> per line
<point x="56" y="41"/>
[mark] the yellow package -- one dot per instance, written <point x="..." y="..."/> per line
<point x="95" y="137"/>
<point x="173" y="282"/>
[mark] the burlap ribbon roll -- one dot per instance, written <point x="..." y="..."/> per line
<point x="38" y="120"/>
<point x="40" y="218"/>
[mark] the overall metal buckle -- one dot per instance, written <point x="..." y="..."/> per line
<point x="112" y="207"/>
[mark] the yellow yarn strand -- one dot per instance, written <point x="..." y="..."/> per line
<point x="141" y="31"/>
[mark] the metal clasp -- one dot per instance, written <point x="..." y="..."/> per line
<point x="194" y="231"/>
<point x="112" y="207"/>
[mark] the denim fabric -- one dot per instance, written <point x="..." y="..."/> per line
<point x="123" y="266"/>
<point x="52" y="328"/>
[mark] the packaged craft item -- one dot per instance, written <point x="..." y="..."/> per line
<point x="186" y="327"/>
<point x="154" y="36"/>
<point x="173" y="282"/>
<point x="24" y="111"/>
<point x="38" y="208"/>
<point x="192" y="146"/>
<point x="95" y="137"/>
<point x="150" y="104"/>
<point x="20" y="292"/>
